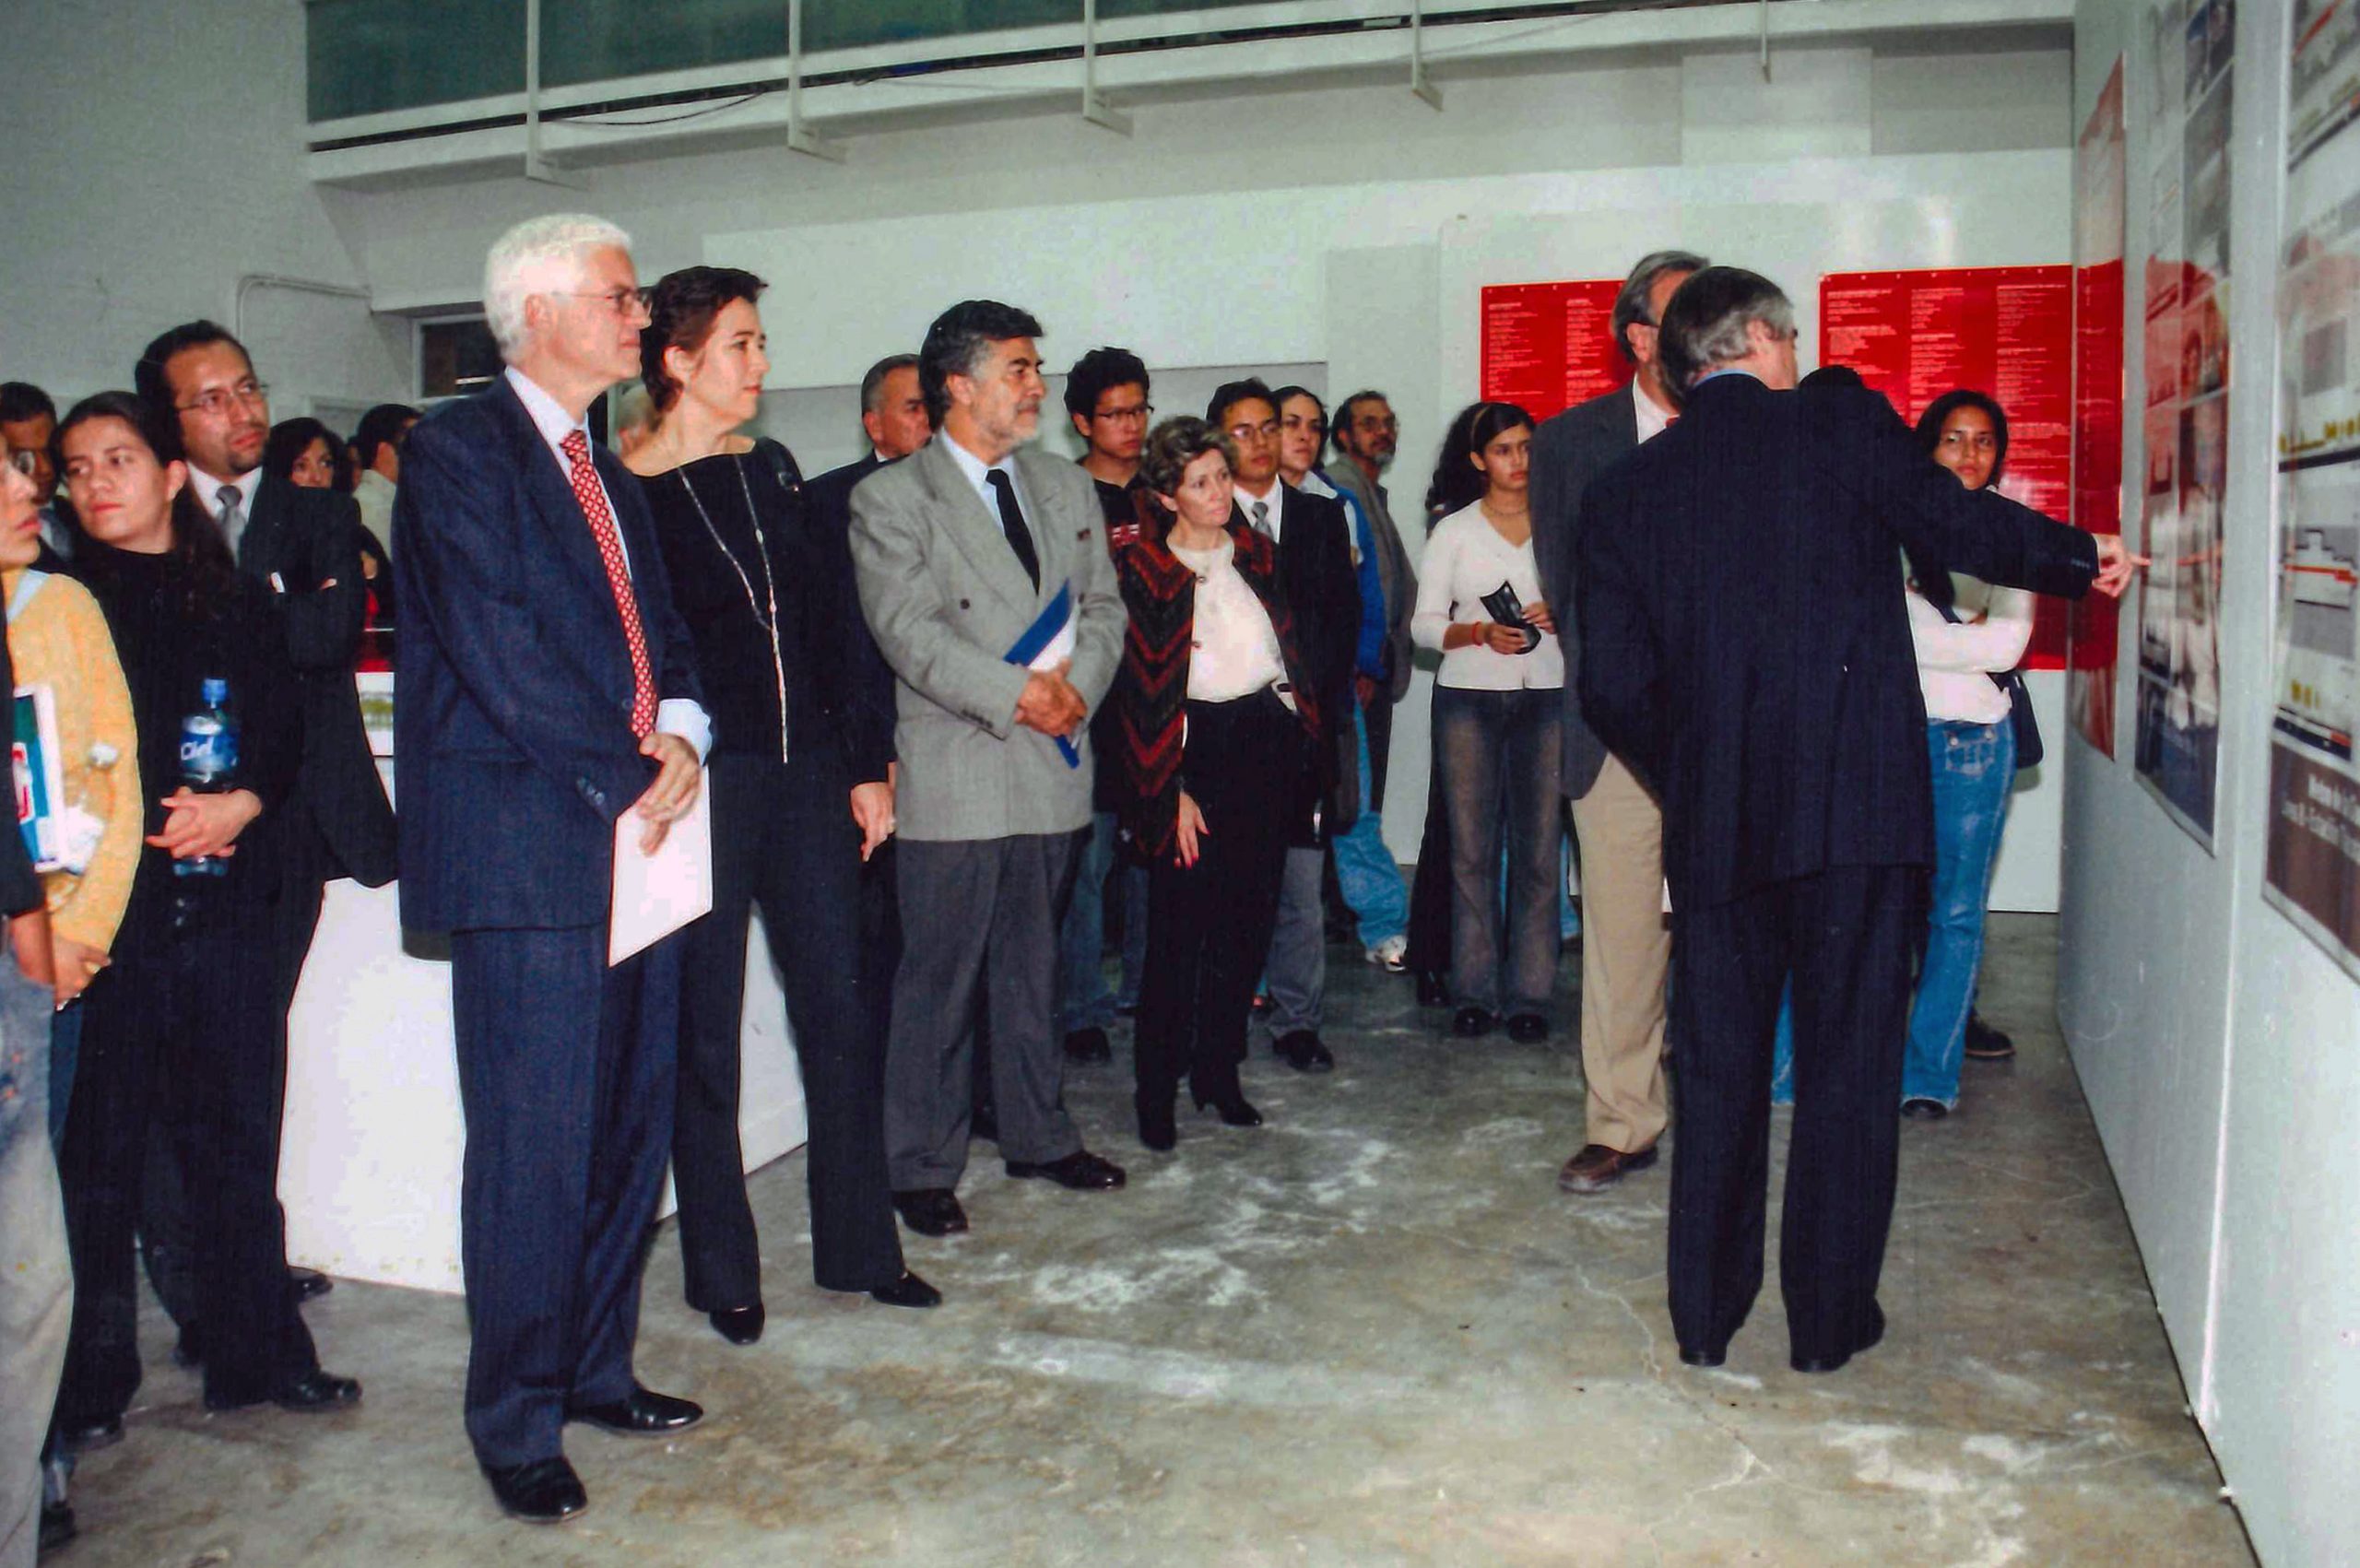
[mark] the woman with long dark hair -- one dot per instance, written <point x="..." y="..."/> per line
<point x="1498" y="706"/>
<point x="189" y="1001"/>
<point x="1220" y="736"/>
<point x="800" y="797"/>
<point x="307" y="454"/>
<point x="1968" y="633"/>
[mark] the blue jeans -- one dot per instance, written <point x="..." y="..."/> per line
<point x="1365" y="869"/>
<point x="1975" y="768"/>
<point x="1083" y="1001"/>
<point x="36" y="1278"/>
<point x="1498" y="753"/>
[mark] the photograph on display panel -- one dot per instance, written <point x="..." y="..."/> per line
<point x="2092" y="633"/>
<point x="2311" y="865"/>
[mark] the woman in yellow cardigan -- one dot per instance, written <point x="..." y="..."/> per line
<point x="57" y="638"/>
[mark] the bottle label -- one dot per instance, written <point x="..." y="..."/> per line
<point x="208" y="752"/>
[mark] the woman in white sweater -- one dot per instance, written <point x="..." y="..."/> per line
<point x="1497" y="709"/>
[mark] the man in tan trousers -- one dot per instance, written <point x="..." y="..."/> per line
<point x="1625" y="945"/>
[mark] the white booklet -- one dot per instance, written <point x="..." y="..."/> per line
<point x="656" y="895"/>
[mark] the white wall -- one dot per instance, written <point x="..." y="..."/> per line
<point x="155" y="158"/>
<point x="2216" y="1044"/>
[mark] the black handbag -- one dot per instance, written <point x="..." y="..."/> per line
<point x="2029" y="750"/>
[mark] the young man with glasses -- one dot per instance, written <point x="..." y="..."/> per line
<point x="1316" y="574"/>
<point x="1106" y="394"/>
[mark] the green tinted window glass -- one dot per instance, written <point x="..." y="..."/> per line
<point x="365" y="56"/>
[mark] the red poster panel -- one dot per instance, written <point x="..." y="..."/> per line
<point x="2004" y="330"/>
<point x="1549" y="346"/>
<point x="2099" y="394"/>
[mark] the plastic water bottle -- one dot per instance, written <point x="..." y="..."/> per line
<point x="208" y="762"/>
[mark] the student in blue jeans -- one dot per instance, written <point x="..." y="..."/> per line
<point x="1967" y="634"/>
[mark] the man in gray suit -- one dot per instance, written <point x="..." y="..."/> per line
<point x="963" y="550"/>
<point x="1619" y="827"/>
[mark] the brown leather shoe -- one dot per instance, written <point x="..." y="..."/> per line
<point x="1597" y="1167"/>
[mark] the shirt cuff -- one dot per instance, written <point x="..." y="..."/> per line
<point x="687" y="719"/>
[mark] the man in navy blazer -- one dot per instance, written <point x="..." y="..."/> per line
<point x="1746" y="651"/>
<point x="547" y="688"/>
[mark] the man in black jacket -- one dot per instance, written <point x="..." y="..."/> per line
<point x="1746" y="651"/>
<point x="304" y="545"/>
<point x="1626" y="949"/>
<point x="1323" y="592"/>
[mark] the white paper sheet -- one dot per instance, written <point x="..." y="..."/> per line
<point x="1059" y="650"/>
<point x="656" y="895"/>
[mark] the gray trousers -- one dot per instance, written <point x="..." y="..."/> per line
<point x="1297" y="972"/>
<point x="966" y="903"/>
<point x="36" y="1278"/>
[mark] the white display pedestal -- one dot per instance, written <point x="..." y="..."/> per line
<point x="369" y="1167"/>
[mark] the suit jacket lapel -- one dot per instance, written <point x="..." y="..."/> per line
<point x="265" y="521"/>
<point x="961" y="515"/>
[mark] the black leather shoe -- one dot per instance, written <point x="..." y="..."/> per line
<point x="308" y="1283"/>
<point x="983" y="1122"/>
<point x="641" y="1413"/>
<point x="1081" y="1171"/>
<point x="88" y="1437"/>
<point x="1985" y="1044"/>
<point x="1432" y="992"/>
<point x="1234" y="1108"/>
<point x="543" y="1492"/>
<point x="740" y="1325"/>
<point x="1918" y="1108"/>
<point x="909" y="1291"/>
<point x="1470" y="1023"/>
<point x="1303" y="1050"/>
<point x="1089" y="1046"/>
<point x="1527" y="1028"/>
<point x="931" y="1211"/>
<point x="1868" y="1341"/>
<point x="1159" y="1128"/>
<point x="306" y="1394"/>
<point x="57" y="1525"/>
<point x="1699" y="1356"/>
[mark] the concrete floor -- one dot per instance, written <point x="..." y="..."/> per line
<point x="1370" y="1333"/>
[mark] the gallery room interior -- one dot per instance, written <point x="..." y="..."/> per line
<point x="2120" y="1282"/>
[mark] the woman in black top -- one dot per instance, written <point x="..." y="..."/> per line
<point x="186" y="1011"/>
<point x="800" y="797"/>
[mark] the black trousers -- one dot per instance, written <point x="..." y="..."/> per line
<point x="793" y="853"/>
<point x="1377" y="715"/>
<point x="1845" y="936"/>
<point x="566" y="1069"/>
<point x="1208" y="925"/>
<point x="167" y="1230"/>
<point x="185" y="1026"/>
<point x="1431" y="885"/>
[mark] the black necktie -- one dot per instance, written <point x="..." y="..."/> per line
<point x="1011" y="521"/>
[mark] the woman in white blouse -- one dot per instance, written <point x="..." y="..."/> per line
<point x="1219" y="736"/>
<point x="1497" y="709"/>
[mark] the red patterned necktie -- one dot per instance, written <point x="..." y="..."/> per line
<point x="593" y="497"/>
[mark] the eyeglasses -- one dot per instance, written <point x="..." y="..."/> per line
<point x="623" y="302"/>
<point x="1267" y="430"/>
<point x="1372" y="422"/>
<point x="1125" y="415"/>
<point x="217" y="402"/>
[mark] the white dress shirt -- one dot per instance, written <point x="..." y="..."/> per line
<point x="209" y="495"/>
<point x="1275" y="498"/>
<point x="1233" y="649"/>
<point x="374" y="496"/>
<point x="1653" y="416"/>
<point x="1466" y="559"/>
<point x="674" y="715"/>
<point x="1955" y="663"/>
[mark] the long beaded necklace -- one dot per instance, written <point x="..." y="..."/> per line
<point x="767" y="622"/>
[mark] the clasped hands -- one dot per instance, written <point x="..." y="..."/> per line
<point x="1050" y="703"/>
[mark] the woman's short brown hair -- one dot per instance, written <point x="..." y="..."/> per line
<point x="1175" y="444"/>
<point x="680" y="310"/>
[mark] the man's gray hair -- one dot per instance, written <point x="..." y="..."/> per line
<point x="536" y="257"/>
<point x="1704" y="327"/>
<point x="1631" y="302"/>
<point x="872" y="385"/>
